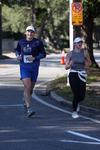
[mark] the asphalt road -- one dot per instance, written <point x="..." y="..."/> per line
<point x="52" y="128"/>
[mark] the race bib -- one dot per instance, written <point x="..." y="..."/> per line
<point x="26" y="60"/>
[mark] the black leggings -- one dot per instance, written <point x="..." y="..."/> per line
<point x="78" y="88"/>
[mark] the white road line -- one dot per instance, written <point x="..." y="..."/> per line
<point x="50" y="105"/>
<point x="11" y="85"/>
<point x="80" y="142"/>
<point x="47" y="104"/>
<point x="91" y="119"/>
<point x="62" y="110"/>
<point x="83" y="135"/>
<point x="12" y="105"/>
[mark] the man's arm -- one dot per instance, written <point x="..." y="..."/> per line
<point x="42" y="52"/>
<point x="18" y="52"/>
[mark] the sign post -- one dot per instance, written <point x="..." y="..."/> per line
<point x="0" y="28"/>
<point x="70" y="33"/>
<point x="70" y="27"/>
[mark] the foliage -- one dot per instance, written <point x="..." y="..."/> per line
<point x="51" y="18"/>
<point x="92" y="8"/>
<point x="13" y="18"/>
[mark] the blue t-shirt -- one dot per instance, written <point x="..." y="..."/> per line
<point x="34" y="48"/>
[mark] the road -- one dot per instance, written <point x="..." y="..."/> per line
<point x="52" y="128"/>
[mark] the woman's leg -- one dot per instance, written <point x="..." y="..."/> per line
<point x="82" y="91"/>
<point x="78" y="88"/>
<point x="74" y="84"/>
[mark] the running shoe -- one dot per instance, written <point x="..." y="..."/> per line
<point x="25" y="108"/>
<point x="30" y="112"/>
<point x="75" y="115"/>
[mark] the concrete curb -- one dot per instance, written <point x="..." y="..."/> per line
<point x="46" y="89"/>
<point x="62" y="100"/>
<point x="58" y="98"/>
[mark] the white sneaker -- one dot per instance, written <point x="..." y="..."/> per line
<point x="75" y="114"/>
<point x="78" y="108"/>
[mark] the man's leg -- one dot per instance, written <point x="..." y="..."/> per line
<point x="27" y="91"/>
<point x="32" y="87"/>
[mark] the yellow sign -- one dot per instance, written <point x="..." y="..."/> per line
<point x="77" y="13"/>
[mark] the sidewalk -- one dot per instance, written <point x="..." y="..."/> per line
<point x="10" y="55"/>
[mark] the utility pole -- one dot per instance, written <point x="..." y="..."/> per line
<point x="0" y="27"/>
<point x="70" y="33"/>
<point x="70" y="26"/>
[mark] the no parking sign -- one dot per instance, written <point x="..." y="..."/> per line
<point x="77" y="13"/>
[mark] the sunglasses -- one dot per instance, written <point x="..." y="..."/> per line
<point x="79" y="42"/>
<point x="30" y="31"/>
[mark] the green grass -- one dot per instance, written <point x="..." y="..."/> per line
<point x="92" y="98"/>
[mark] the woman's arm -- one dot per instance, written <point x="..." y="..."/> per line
<point x="68" y="61"/>
<point x="87" y="59"/>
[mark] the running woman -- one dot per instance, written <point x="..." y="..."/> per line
<point x="78" y="62"/>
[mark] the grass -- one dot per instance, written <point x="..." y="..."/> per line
<point x="92" y="98"/>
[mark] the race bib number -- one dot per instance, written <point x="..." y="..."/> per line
<point x="26" y="59"/>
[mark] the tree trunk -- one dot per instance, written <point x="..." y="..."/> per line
<point x="89" y="43"/>
<point x="88" y="27"/>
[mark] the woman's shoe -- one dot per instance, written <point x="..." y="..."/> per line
<point x="75" y="115"/>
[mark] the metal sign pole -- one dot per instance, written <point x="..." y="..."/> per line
<point x="70" y="33"/>
<point x="70" y="26"/>
<point x="0" y="28"/>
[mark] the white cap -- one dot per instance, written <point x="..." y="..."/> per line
<point x="30" y="28"/>
<point x="78" y="39"/>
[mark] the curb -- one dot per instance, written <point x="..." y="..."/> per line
<point x="58" y="98"/>
<point x="62" y="100"/>
<point x="46" y="89"/>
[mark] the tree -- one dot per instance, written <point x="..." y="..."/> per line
<point x="91" y="11"/>
<point x="52" y="19"/>
<point x="13" y="19"/>
<point x="30" y="4"/>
